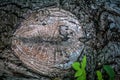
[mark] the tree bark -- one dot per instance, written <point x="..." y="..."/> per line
<point x="100" y="21"/>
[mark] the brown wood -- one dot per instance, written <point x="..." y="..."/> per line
<point x="48" y="43"/>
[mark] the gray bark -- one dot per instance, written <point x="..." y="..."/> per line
<point x="100" y="20"/>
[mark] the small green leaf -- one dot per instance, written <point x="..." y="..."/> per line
<point x="99" y="75"/>
<point x="83" y="63"/>
<point x="76" y="66"/>
<point x="84" y="74"/>
<point x="109" y="71"/>
<point x="78" y="73"/>
<point x="81" y="78"/>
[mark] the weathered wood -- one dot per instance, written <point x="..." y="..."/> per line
<point x="48" y="41"/>
<point x="100" y="22"/>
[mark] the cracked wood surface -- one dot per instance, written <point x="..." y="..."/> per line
<point x="48" y="43"/>
<point x="100" y="22"/>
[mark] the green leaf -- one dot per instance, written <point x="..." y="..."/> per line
<point x="109" y="71"/>
<point x="76" y="66"/>
<point x="99" y="75"/>
<point x="81" y="78"/>
<point x="84" y="74"/>
<point x="83" y="63"/>
<point x="78" y="73"/>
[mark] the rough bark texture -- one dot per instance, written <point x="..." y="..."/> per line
<point x="100" y="20"/>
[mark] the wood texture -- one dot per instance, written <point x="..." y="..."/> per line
<point x="48" y="42"/>
<point x="100" y="22"/>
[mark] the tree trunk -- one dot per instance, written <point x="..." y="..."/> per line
<point x="100" y="22"/>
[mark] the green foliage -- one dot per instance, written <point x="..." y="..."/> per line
<point x="76" y="66"/>
<point x="99" y="75"/>
<point x="80" y="73"/>
<point x="109" y="71"/>
<point x="83" y="63"/>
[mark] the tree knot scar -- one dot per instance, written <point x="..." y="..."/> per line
<point x="48" y="41"/>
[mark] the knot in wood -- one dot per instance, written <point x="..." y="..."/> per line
<point x="47" y="41"/>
